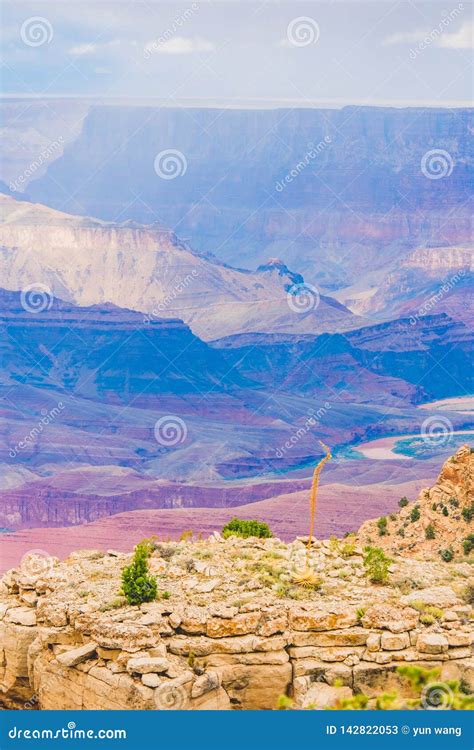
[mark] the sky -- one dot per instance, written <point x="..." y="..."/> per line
<point x="228" y="53"/>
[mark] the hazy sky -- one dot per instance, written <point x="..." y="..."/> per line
<point x="221" y="51"/>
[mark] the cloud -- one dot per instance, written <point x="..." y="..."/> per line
<point x="438" y="36"/>
<point x="92" y="49"/>
<point x="83" y="49"/>
<point x="461" y="39"/>
<point x="179" y="45"/>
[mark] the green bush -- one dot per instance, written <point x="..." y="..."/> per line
<point x="468" y="513"/>
<point x="245" y="528"/>
<point x="430" y="532"/>
<point x="382" y="526"/>
<point x="137" y="585"/>
<point x="468" y="544"/>
<point x="445" y="511"/>
<point x="446" y="554"/>
<point x="403" y="502"/>
<point x="376" y="564"/>
<point x="415" y="514"/>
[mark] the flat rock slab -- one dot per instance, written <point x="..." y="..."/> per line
<point x="77" y="655"/>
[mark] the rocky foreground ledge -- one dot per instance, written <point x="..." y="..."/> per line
<point x="230" y="629"/>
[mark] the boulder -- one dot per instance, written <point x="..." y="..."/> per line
<point x="388" y="617"/>
<point x="432" y="643"/>
<point x="21" y="616"/>
<point x="394" y="641"/>
<point x="146" y="664"/>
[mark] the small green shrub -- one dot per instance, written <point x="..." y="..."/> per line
<point x="468" y="512"/>
<point x="454" y="502"/>
<point x="446" y="554"/>
<point x="360" y="612"/>
<point x="435" y="612"/>
<point x="426" y="619"/>
<point x="348" y="548"/>
<point x="430" y="532"/>
<point x="376" y="564"/>
<point x="403" y="502"/>
<point x="245" y="528"/>
<point x="137" y="585"/>
<point x="382" y="526"/>
<point x="445" y="511"/>
<point x="468" y="544"/>
<point x="415" y="514"/>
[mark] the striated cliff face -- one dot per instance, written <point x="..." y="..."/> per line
<point x="359" y="205"/>
<point x="148" y="269"/>
<point x="230" y="628"/>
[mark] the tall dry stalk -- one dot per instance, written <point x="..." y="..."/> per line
<point x="307" y="577"/>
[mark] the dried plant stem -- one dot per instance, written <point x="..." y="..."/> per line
<point x="313" y="496"/>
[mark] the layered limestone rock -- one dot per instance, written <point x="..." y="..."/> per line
<point x="69" y="640"/>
